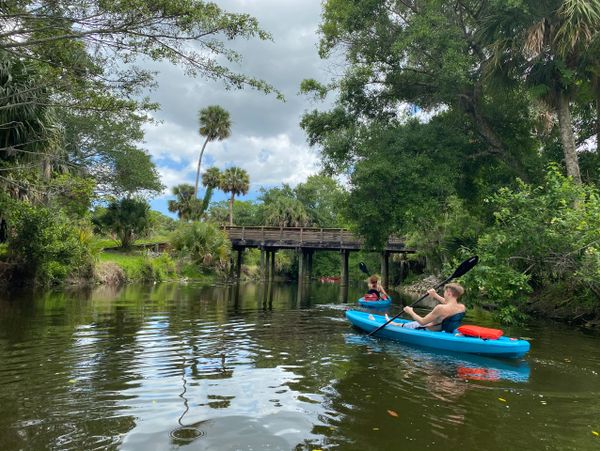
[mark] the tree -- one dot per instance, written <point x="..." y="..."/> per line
<point x="204" y="243"/>
<point x="286" y="212"/>
<point x="210" y="180"/>
<point x="246" y="213"/>
<point x="282" y="208"/>
<point x="186" y="205"/>
<point x="128" y="218"/>
<point x="236" y="181"/>
<point x="323" y="199"/>
<point x="543" y="45"/>
<point x="215" y="124"/>
<point x="185" y="32"/>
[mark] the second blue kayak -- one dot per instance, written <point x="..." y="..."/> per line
<point x="502" y="347"/>
<point x="382" y="303"/>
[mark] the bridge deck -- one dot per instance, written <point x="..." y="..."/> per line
<point x="304" y="237"/>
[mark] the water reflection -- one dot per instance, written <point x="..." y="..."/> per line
<point x="255" y="366"/>
<point x="457" y="365"/>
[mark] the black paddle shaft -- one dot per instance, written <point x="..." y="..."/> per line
<point x="364" y="268"/>
<point x="463" y="268"/>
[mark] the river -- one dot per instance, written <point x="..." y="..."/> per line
<point x="184" y="366"/>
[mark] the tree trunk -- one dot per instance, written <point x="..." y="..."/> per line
<point x="567" y="138"/>
<point x="231" y="209"/>
<point x="198" y="170"/>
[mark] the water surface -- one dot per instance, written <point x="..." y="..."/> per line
<point x="173" y="366"/>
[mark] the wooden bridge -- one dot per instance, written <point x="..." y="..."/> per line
<point x="305" y="240"/>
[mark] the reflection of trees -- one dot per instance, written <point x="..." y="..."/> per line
<point x="72" y="368"/>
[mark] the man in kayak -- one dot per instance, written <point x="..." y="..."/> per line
<point x="376" y="288"/>
<point x="448" y="306"/>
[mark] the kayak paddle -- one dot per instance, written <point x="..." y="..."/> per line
<point x="463" y="268"/>
<point x="364" y="268"/>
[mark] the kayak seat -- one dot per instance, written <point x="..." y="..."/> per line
<point x="451" y="323"/>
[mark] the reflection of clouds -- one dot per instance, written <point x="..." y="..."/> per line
<point x="204" y="377"/>
<point x="255" y="407"/>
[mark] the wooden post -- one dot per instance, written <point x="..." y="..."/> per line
<point x="238" y="266"/>
<point x="309" y="264"/>
<point x="272" y="266"/>
<point x="344" y="254"/>
<point x="385" y="269"/>
<point x="263" y="264"/>
<point x="300" y="266"/>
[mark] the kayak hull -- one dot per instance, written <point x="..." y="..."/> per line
<point x="503" y="347"/>
<point x="375" y="304"/>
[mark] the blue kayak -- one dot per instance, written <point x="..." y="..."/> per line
<point x="375" y="304"/>
<point x="502" y="347"/>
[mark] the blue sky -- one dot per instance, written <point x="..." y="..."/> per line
<point x="266" y="138"/>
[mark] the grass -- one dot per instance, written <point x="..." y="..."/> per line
<point x="104" y="243"/>
<point x="138" y="266"/>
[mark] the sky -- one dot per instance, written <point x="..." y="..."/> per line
<point x="266" y="139"/>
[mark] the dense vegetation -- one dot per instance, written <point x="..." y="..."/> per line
<point x="467" y="126"/>
<point x="501" y="156"/>
<point x="72" y="108"/>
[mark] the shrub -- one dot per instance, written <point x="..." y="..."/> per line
<point x="45" y="245"/>
<point x="128" y="219"/>
<point x="545" y="236"/>
<point x="204" y="243"/>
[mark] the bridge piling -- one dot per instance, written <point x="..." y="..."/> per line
<point x="238" y="266"/>
<point x="344" y="254"/>
<point x="263" y="263"/>
<point x="385" y="269"/>
<point x="272" y="266"/>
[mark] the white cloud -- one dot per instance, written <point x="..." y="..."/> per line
<point x="266" y="138"/>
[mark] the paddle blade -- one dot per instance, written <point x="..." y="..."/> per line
<point x="465" y="267"/>
<point x="364" y="268"/>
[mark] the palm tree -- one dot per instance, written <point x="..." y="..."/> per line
<point x="236" y="181"/>
<point x="211" y="179"/>
<point x="543" y="44"/>
<point x="215" y="124"/>
<point x="186" y="204"/>
<point x="286" y="212"/>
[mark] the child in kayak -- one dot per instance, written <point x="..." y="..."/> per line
<point x="448" y="306"/>
<point x="376" y="288"/>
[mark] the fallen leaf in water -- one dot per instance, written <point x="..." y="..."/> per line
<point x="502" y="399"/>
<point x="596" y="433"/>
<point x="392" y="413"/>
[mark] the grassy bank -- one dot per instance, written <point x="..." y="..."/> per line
<point x="137" y="266"/>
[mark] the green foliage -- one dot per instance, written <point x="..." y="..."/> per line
<point x="186" y="205"/>
<point x="160" y="224"/>
<point x="160" y="30"/>
<point x="318" y="202"/>
<point x="323" y="198"/>
<point x="204" y="243"/>
<point x="246" y="213"/>
<point x="141" y="267"/>
<point x="128" y="219"/>
<point x="45" y="245"/>
<point x="215" y="125"/>
<point x="452" y="229"/>
<point x="235" y="181"/>
<point x="543" y="236"/>
<point x="73" y="194"/>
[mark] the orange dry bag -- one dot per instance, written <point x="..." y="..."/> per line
<point x="480" y="332"/>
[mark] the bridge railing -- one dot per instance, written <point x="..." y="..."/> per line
<point x="301" y="235"/>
